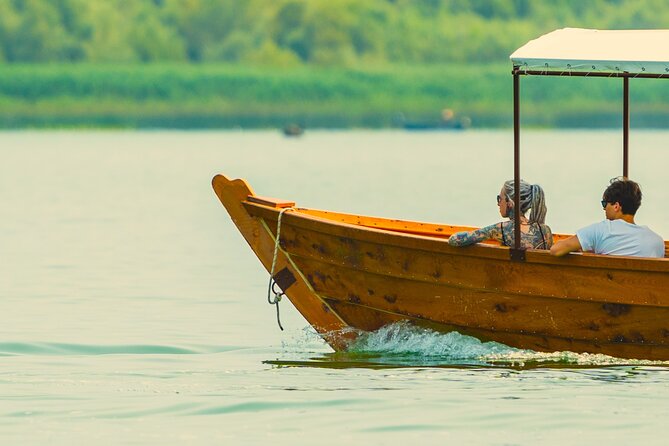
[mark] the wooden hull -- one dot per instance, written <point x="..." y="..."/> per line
<point x="364" y="272"/>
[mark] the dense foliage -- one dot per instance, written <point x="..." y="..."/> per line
<point x="296" y="32"/>
<point x="228" y="96"/>
<point x="320" y="63"/>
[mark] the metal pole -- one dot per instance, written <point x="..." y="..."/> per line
<point x="626" y="125"/>
<point x="516" y="253"/>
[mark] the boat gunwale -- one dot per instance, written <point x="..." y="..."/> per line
<point x="479" y="250"/>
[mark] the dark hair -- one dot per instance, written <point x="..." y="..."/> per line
<point x="625" y="192"/>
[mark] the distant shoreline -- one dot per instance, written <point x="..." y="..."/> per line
<point x="186" y="96"/>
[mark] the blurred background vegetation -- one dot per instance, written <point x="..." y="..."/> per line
<point x="316" y="63"/>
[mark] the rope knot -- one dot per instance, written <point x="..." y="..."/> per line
<point x="273" y="287"/>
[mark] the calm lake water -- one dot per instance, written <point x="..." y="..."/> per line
<point x="133" y="312"/>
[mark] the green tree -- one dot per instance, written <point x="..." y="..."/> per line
<point x="152" y="40"/>
<point x="33" y="31"/>
<point x="109" y="39"/>
<point x="289" y="32"/>
<point x="203" y="24"/>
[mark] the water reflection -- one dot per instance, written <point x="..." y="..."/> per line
<point x="595" y="370"/>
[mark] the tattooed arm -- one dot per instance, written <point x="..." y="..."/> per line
<point x="470" y="237"/>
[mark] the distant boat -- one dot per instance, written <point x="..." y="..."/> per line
<point x="426" y="125"/>
<point x="447" y="121"/>
<point x="293" y="130"/>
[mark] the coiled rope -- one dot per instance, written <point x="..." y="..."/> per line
<point x="272" y="287"/>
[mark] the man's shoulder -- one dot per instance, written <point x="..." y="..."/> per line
<point x="653" y="234"/>
<point x="653" y="243"/>
<point x="596" y="226"/>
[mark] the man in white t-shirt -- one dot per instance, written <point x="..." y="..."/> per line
<point x="618" y="234"/>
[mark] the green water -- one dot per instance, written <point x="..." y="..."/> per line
<point x="134" y="313"/>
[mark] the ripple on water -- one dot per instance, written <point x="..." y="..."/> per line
<point x="54" y="348"/>
<point x="263" y="406"/>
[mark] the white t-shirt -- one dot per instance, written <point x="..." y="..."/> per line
<point x="620" y="238"/>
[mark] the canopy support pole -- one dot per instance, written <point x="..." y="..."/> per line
<point x="626" y="125"/>
<point x="517" y="254"/>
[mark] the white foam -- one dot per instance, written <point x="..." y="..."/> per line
<point x="421" y="344"/>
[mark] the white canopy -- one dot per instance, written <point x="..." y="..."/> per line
<point x="592" y="50"/>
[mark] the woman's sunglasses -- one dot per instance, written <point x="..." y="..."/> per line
<point x="499" y="199"/>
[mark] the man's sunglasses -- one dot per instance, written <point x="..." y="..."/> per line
<point x="604" y="203"/>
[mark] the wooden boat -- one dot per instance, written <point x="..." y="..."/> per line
<point x="345" y="271"/>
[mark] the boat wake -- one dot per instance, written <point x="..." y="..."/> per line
<point x="405" y="345"/>
<point x="405" y="339"/>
